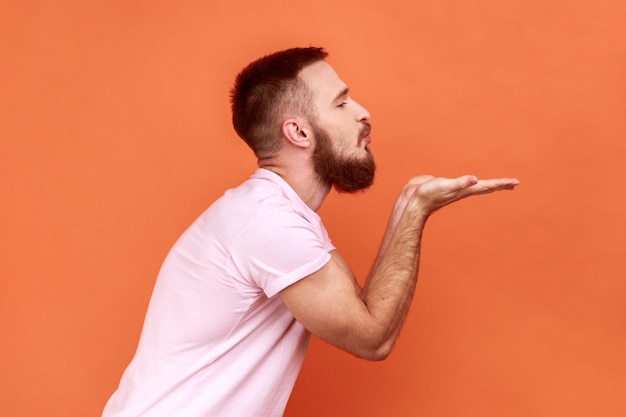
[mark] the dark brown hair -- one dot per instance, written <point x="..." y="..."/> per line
<point x="266" y="91"/>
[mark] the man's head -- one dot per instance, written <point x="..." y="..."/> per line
<point x="295" y="95"/>
<point x="268" y="91"/>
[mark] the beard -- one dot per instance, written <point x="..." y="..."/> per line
<point x="345" y="174"/>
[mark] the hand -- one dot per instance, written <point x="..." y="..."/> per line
<point x="431" y="194"/>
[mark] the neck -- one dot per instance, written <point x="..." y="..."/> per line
<point x="299" y="173"/>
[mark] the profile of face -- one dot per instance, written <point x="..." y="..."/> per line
<point x="341" y="131"/>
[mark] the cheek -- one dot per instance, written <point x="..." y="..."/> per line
<point x="343" y="142"/>
<point x="345" y="134"/>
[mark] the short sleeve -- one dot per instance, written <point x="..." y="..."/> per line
<point x="279" y="249"/>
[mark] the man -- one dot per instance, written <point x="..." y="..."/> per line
<point x="240" y="292"/>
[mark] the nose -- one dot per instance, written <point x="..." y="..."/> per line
<point x="361" y="112"/>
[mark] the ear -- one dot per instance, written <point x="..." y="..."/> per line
<point x="297" y="132"/>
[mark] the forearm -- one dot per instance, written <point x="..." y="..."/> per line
<point x="392" y="224"/>
<point x="402" y="202"/>
<point x="391" y="283"/>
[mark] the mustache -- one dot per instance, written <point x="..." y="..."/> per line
<point x="365" y="130"/>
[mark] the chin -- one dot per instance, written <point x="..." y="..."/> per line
<point x="352" y="189"/>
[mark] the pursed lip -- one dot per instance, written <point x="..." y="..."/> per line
<point x="365" y="133"/>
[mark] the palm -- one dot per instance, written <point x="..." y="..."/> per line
<point x="434" y="193"/>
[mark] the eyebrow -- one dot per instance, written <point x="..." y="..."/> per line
<point x="342" y="93"/>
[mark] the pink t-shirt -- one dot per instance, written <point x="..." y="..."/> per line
<point x="217" y="339"/>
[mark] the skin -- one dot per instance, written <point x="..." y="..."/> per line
<point x="330" y="303"/>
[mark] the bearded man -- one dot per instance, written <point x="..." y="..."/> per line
<point x="243" y="288"/>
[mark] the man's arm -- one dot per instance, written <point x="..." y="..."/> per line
<point x="366" y="322"/>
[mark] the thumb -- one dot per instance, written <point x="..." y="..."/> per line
<point x="466" y="181"/>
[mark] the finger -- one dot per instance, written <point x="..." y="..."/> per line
<point x="466" y="181"/>
<point x="492" y="185"/>
<point x="459" y="184"/>
<point x="447" y="188"/>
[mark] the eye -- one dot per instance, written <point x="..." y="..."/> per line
<point x="342" y="104"/>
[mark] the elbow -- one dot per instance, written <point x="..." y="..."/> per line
<point x="376" y="356"/>
<point x="376" y="353"/>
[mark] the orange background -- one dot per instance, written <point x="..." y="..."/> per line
<point x="115" y="134"/>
